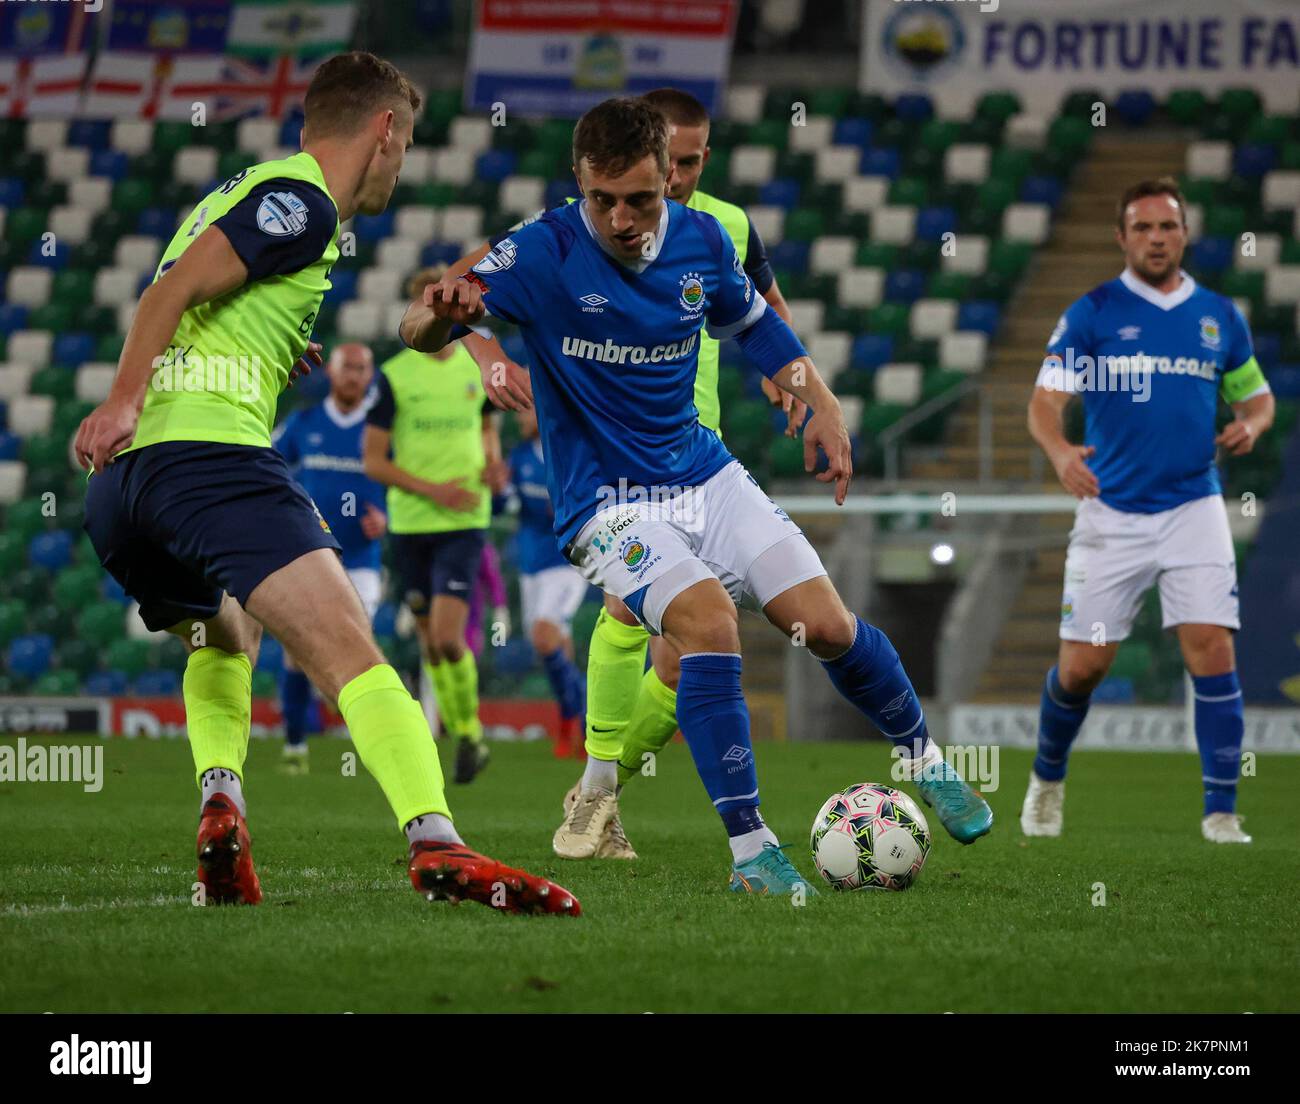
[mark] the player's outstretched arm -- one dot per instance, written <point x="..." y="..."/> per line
<point x="795" y="409"/>
<point x="826" y="428"/>
<point x="452" y="301"/>
<point x="1047" y="427"/>
<point x="507" y="384"/>
<point x="207" y="269"/>
<point x="1254" y="416"/>
<point x="377" y="464"/>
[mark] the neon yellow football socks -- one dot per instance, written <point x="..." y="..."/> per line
<point x="652" y="724"/>
<point x="218" y="692"/>
<point x="455" y="684"/>
<point x="393" y="740"/>
<point x="615" y="662"/>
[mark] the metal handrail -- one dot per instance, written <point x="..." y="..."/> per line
<point x="890" y="437"/>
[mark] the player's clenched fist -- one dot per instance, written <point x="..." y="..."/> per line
<point x="456" y="299"/>
<point x="826" y="430"/>
<point x="1075" y="476"/>
<point x="1237" y="437"/>
<point x="105" y="432"/>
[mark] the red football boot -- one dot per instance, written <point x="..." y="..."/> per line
<point x="226" y="855"/>
<point x="568" y="734"/>
<point x="452" y="872"/>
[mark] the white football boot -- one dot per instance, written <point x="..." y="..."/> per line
<point x="1223" y="828"/>
<point x="613" y="841"/>
<point x="585" y="823"/>
<point x="1043" y="812"/>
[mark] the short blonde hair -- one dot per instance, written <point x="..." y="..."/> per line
<point x="420" y="280"/>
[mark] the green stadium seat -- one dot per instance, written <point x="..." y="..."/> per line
<point x="998" y="105"/>
<point x="1239" y="104"/>
<point x="909" y="191"/>
<point x="25" y="224"/>
<point x="30" y="586"/>
<point x="56" y="684"/>
<point x="938" y="134"/>
<point x="877" y="255"/>
<point x="172" y="655"/>
<point x="1132" y="661"/>
<point x="77" y="587"/>
<point x="1081" y="103"/>
<point x="891" y="318"/>
<point x="102" y="623"/>
<point x="1069" y="135"/>
<point x="75" y="654"/>
<point x="56" y="316"/>
<point x="1186" y="106"/>
<point x="13" y="620"/>
<point x="1238" y="284"/>
<point x="171" y="136"/>
<point x="1225" y="221"/>
<point x="804" y="224"/>
<point x="25" y="519"/>
<point x="128" y="656"/>
<point x="830" y="101"/>
<point x="57" y="382"/>
<point x="948" y="285"/>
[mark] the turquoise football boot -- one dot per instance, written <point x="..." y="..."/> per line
<point x="961" y="810"/>
<point x="769" y="872"/>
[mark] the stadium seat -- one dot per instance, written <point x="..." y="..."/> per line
<point x="29" y="656"/>
<point x="157" y="684"/>
<point x="963" y="351"/>
<point x="106" y="684"/>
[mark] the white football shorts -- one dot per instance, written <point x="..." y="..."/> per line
<point x="552" y="594"/>
<point x="367" y="583"/>
<point x="647" y="553"/>
<point x="1115" y="557"/>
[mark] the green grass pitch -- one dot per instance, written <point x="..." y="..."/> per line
<point x="95" y="910"/>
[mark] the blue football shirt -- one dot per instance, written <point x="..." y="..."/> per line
<point x="1150" y="367"/>
<point x="536" y="536"/>
<point x="323" y="447"/>
<point x="613" y="350"/>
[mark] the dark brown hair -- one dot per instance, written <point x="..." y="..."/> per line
<point x="349" y="88"/>
<point x="1161" y="185"/>
<point x="614" y="135"/>
<point x="678" y="107"/>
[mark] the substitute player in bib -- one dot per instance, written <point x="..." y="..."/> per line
<point x="632" y="710"/>
<point x="431" y="439"/>
<point x="648" y="502"/>
<point x="1149" y="353"/>
<point x="322" y="446"/>
<point x="196" y="515"/>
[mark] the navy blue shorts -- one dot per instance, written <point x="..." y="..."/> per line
<point x="180" y="522"/>
<point x="436" y="563"/>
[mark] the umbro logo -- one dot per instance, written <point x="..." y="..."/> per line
<point x="737" y="754"/>
<point x="1130" y="333"/>
<point x="896" y="705"/>
<point x="593" y="303"/>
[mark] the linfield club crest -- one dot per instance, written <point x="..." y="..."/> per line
<point x="691" y="295"/>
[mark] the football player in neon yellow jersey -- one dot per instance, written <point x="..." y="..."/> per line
<point x="195" y="514"/>
<point x="444" y="466"/>
<point x="632" y="711"/>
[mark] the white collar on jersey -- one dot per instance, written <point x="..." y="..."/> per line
<point x="352" y="417"/>
<point x="641" y="263"/>
<point x="1165" y="300"/>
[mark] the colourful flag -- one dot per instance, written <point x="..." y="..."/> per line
<point x="270" y="28"/>
<point x="157" y="86"/>
<point x="175" y="26"/>
<point x="50" y="85"/>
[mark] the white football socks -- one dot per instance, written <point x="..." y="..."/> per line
<point x="600" y="774"/>
<point x="219" y="780"/>
<point x="749" y="845"/>
<point x="433" y="827"/>
<point x="914" y="764"/>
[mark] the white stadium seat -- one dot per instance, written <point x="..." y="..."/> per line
<point x="865" y="193"/>
<point x="1026" y="131"/>
<point x="398" y="253"/>
<point x="1281" y="189"/>
<point x="851" y="406"/>
<point x="1266" y="254"/>
<point x="67" y="165"/>
<point x="967" y="162"/>
<point x="832" y="254"/>
<point x="963" y="351"/>
<point x="115" y="286"/>
<point x="138" y="252"/>
<point x="815" y="134"/>
<point x="417" y="223"/>
<point x="31" y="347"/>
<point x="13" y="477"/>
<point x="970" y="255"/>
<point x="47" y="135"/>
<point x="453" y="166"/>
<point x="806" y="316"/>
<point x="131" y="136"/>
<point x="1282" y="285"/>
<point x="29" y="285"/>
<point x="954" y="103"/>
<point x="93" y="193"/>
<point x="830" y="351"/>
<point x="769" y="221"/>
<point x="360" y="321"/>
<point x="31" y="415"/>
<point x="893" y="225"/>
<point x="1209" y="160"/>
<point x="125" y="314"/>
<point x="861" y="287"/>
<point x="94" y="381"/>
<point x="470" y="133"/>
<point x="835" y="164"/>
<point x="1027" y="222"/>
<point x="898" y="383"/>
<point x="380" y="285"/>
<point x="1195" y="221"/>
<point x="524" y="194"/>
<point x="257" y="135"/>
<point x="392" y="319"/>
<point x="196" y="165"/>
<point x="70" y="224"/>
<point x="418" y="166"/>
<point x="933" y="317"/>
<point x="461" y="223"/>
<point x="15" y="379"/>
<point x="752" y="164"/>
<point x="745" y="102"/>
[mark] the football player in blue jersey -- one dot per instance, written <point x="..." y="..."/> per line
<point x="1149" y="353"/>
<point x="322" y="445"/>
<point x="610" y="294"/>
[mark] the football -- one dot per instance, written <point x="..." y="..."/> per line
<point x="870" y="836"/>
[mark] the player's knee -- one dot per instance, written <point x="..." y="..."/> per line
<point x="1208" y="651"/>
<point x="1081" y="673"/>
<point x="827" y="633"/>
<point x="668" y="668"/>
<point x="545" y="637"/>
<point x="446" y="647"/>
